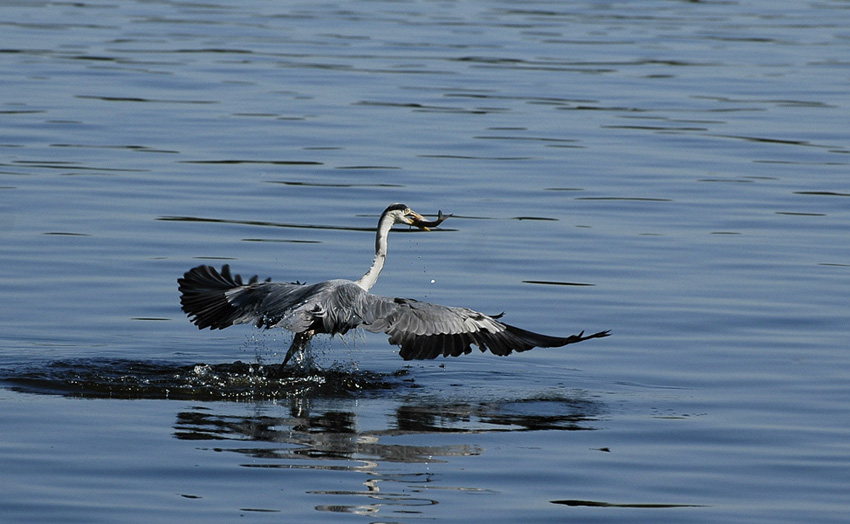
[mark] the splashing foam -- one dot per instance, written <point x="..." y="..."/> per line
<point x="164" y="380"/>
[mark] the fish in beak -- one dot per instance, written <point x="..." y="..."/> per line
<point x="419" y="221"/>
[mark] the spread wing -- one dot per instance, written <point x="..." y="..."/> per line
<point x="425" y="330"/>
<point x="217" y="300"/>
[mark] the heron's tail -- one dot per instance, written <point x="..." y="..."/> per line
<point x="203" y="295"/>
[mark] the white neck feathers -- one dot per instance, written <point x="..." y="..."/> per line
<point x="368" y="280"/>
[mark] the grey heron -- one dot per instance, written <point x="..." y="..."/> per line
<point x="218" y="299"/>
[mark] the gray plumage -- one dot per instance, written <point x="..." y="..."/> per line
<point x="217" y="300"/>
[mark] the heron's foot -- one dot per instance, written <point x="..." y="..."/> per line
<point x="278" y="372"/>
<point x="282" y="370"/>
<point x="298" y="347"/>
<point x="299" y="367"/>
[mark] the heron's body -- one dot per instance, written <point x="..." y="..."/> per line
<point x="217" y="300"/>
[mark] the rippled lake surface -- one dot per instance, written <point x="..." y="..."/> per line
<point x="676" y="172"/>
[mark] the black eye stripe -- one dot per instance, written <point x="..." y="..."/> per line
<point x="396" y="207"/>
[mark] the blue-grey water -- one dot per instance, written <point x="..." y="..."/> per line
<point x="675" y="171"/>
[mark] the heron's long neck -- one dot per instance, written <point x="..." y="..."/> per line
<point x="368" y="280"/>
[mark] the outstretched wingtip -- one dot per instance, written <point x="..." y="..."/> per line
<point x="606" y="333"/>
<point x="539" y="340"/>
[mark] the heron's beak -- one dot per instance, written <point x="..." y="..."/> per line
<point x="417" y="220"/>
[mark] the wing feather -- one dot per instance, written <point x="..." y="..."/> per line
<point x="217" y="300"/>
<point x="425" y="331"/>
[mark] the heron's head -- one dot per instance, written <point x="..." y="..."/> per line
<point x="401" y="214"/>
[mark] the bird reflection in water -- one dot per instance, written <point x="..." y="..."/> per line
<point x="304" y="423"/>
<point x="321" y="435"/>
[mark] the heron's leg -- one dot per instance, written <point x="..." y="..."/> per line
<point x="299" y="343"/>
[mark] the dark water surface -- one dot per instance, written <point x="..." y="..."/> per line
<point x="676" y="172"/>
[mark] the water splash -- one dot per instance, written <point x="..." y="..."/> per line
<point x="132" y="379"/>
